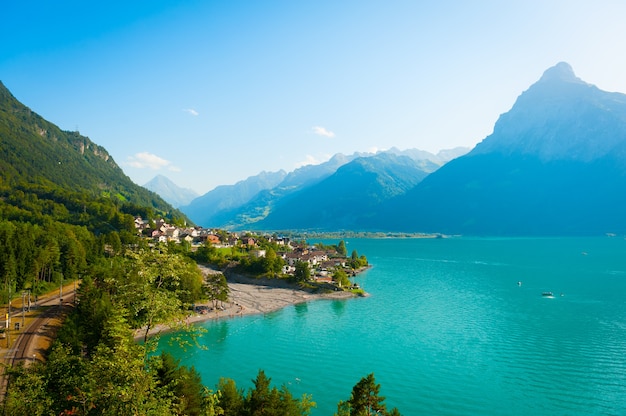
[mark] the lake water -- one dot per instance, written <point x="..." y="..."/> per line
<point x="448" y="330"/>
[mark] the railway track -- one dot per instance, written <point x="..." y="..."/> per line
<point x="26" y="347"/>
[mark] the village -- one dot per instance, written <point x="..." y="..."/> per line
<point x="322" y="261"/>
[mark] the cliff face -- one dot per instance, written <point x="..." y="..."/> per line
<point x="554" y="165"/>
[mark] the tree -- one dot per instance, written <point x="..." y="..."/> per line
<point x="27" y="394"/>
<point x="356" y="261"/>
<point x="365" y="399"/>
<point x="341" y="278"/>
<point x="217" y="288"/>
<point x="273" y="263"/>
<point x="265" y="400"/>
<point x="231" y="398"/>
<point x="150" y="291"/>
<point x="182" y="383"/>
<point x="302" y="272"/>
<point x="341" y="248"/>
<point x="258" y="399"/>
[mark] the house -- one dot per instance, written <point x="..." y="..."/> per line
<point x="213" y="239"/>
<point x="258" y="253"/>
<point x="172" y="232"/>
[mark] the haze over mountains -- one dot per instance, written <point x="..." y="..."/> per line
<point x="555" y="164"/>
<point x="171" y="192"/>
<point x="344" y="183"/>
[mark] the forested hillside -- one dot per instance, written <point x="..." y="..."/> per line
<point x="36" y="152"/>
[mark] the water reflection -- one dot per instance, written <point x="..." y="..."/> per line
<point x="338" y="307"/>
<point x="301" y="308"/>
<point x="216" y="334"/>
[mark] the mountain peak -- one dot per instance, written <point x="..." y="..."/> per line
<point x="170" y="192"/>
<point x="561" y="117"/>
<point x="560" y="72"/>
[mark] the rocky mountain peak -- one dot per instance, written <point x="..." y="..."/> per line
<point x="561" y="117"/>
<point x="562" y="72"/>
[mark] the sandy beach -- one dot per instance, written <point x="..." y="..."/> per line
<point x="256" y="296"/>
<point x="249" y="296"/>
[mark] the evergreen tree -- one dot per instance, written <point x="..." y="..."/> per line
<point x="365" y="400"/>
<point x="231" y="398"/>
<point x="341" y="248"/>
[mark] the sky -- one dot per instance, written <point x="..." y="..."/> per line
<point x="208" y="93"/>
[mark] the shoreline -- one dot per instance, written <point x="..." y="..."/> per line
<point x="249" y="296"/>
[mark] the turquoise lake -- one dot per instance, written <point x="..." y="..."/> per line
<point x="448" y="330"/>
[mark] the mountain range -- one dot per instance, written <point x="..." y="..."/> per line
<point x="555" y="164"/>
<point x="323" y="196"/>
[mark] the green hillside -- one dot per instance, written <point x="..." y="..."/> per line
<point x="36" y="154"/>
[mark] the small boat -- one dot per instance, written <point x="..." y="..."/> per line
<point x="547" y="294"/>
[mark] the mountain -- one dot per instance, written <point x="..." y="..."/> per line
<point x="428" y="161"/>
<point x="347" y="198"/>
<point x="227" y="197"/>
<point x="252" y="213"/>
<point x="171" y="192"/>
<point x="258" y="207"/>
<point x="555" y="164"/>
<point x="44" y="162"/>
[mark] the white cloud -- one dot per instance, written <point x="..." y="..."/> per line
<point x="146" y="160"/>
<point x="321" y="131"/>
<point x="191" y="111"/>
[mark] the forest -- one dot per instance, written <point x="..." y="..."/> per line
<point x="102" y="360"/>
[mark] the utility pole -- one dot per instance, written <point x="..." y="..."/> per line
<point x="23" y="309"/>
<point x="8" y="328"/>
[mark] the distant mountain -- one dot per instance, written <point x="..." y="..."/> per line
<point x="258" y="207"/>
<point x="39" y="157"/>
<point x="347" y="198"/>
<point x="428" y="161"/>
<point x="253" y="212"/>
<point x="227" y="197"/>
<point x="171" y="192"/>
<point x="555" y="164"/>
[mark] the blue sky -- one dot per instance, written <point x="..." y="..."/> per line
<point x="210" y="92"/>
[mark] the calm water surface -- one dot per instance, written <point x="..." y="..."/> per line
<point x="447" y="330"/>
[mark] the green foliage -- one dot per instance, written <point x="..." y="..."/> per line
<point x="261" y="400"/>
<point x="302" y="273"/>
<point x="341" y="277"/>
<point x="27" y="395"/>
<point x="269" y="265"/>
<point x="208" y="254"/>
<point x="341" y="248"/>
<point x="182" y="384"/>
<point x="357" y="262"/>
<point x="216" y="288"/>
<point x="35" y="151"/>
<point x="365" y="400"/>
<point x="231" y="399"/>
